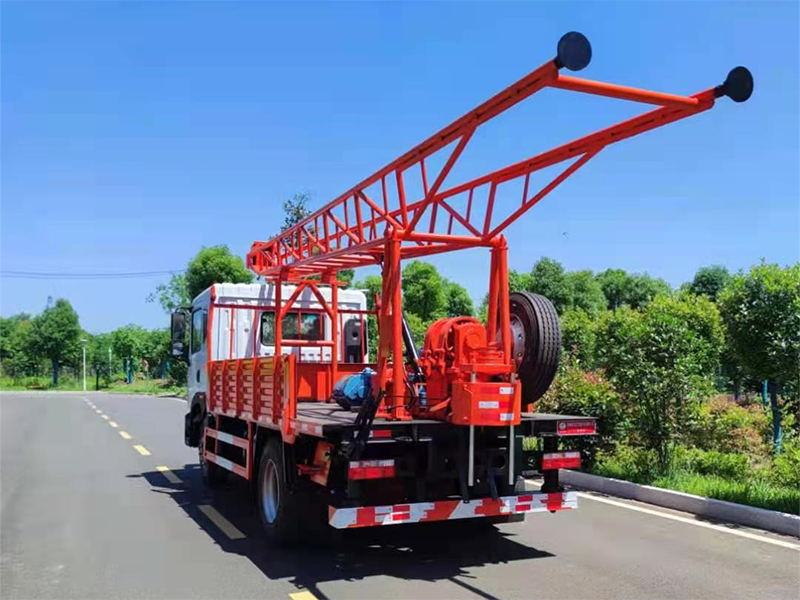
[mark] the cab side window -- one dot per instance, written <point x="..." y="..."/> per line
<point x="308" y="327"/>
<point x="199" y="325"/>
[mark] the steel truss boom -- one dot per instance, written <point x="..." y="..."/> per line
<point x="357" y="227"/>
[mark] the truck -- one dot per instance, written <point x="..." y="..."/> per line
<point x="286" y="392"/>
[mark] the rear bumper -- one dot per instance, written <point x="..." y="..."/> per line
<point x="444" y="510"/>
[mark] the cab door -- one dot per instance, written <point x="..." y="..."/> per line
<point x="198" y="352"/>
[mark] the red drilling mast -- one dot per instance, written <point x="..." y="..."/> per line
<point x="376" y="223"/>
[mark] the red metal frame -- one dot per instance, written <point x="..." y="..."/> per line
<point x="375" y="222"/>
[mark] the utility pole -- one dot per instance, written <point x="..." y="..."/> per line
<point x="109" y="362"/>
<point x="84" y="342"/>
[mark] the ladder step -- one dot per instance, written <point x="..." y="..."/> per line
<point x="227" y="438"/>
<point x="226" y="464"/>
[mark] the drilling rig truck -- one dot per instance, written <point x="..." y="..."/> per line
<point x="285" y="392"/>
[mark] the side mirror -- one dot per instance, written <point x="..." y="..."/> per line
<point x="178" y="335"/>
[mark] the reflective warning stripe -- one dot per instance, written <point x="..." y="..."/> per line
<point x="309" y="428"/>
<point x="368" y="516"/>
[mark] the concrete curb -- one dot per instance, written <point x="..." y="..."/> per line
<point x="750" y="516"/>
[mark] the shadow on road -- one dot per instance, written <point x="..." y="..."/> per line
<point x="429" y="552"/>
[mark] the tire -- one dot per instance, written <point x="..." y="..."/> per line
<point x="214" y="476"/>
<point x="536" y="338"/>
<point x="275" y="504"/>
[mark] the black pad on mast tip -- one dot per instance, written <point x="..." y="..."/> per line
<point x="738" y="86"/>
<point x="574" y="51"/>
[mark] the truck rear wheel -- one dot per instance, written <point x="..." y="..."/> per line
<point x="276" y="505"/>
<point x="536" y="339"/>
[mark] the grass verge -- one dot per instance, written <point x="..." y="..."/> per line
<point x="147" y="386"/>
<point x="752" y="493"/>
<point x="139" y="386"/>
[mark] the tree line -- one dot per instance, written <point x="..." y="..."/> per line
<point x="34" y="345"/>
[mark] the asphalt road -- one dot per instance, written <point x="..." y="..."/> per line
<point x="85" y="512"/>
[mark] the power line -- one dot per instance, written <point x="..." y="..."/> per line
<point x="59" y="275"/>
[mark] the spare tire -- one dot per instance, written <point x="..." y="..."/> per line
<point x="536" y="343"/>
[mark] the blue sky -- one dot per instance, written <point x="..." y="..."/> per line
<point x="134" y="133"/>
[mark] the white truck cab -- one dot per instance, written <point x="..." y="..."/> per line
<point x="234" y="320"/>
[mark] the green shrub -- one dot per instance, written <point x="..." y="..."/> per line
<point x="786" y="466"/>
<point x="177" y="374"/>
<point x="578" y="336"/>
<point x="729" y="465"/>
<point x="721" y="424"/>
<point x="587" y="393"/>
<point x="639" y="465"/>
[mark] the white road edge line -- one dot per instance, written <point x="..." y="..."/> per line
<point x="658" y="513"/>
<point x="221" y="522"/>
<point x="745" y="534"/>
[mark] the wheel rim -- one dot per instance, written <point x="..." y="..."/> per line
<point x="518" y="338"/>
<point x="270" y="492"/>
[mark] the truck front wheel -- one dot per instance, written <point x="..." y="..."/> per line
<point x="276" y="505"/>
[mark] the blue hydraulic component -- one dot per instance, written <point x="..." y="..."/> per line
<point x="351" y="391"/>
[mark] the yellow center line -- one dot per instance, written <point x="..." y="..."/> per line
<point x="304" y="595"/>
<point x="221" y="522"/>
<point x="142" y="450"/>
<point x="105" y="417"/>
<point x="171" y="477"/>
<point x="113" y="424"/>
<point x="125" y="435"/>
<point x="98" y="411"/>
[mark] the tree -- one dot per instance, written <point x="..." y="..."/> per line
<point x="615" y="284"/>
<point x="661" y="358"/>
<point x="7" y="327"/>
<point x="642" y="289"/>
<point x="518" y="282"/>
<point x="633" y="289"/>
<point x="157" y="350"/>
<point x="16" y="354"/>
<point x="584" y="292"/>
<point x="97" y="357"/>
<point x="710" y="281"/>
<point x="295" y="209"/>
<point x="347" y="276"/>
<point x="579" y="336"/>
<point x="424" y="291"/>
<point x="576" y="289"/>
<point x="371" y="286"/>
<point x="55" y="335"/>
<point x="459" y="302"/>
<point x="129" y="344"/>
<point x="215" y="264"/>
<point x="761" y="312"/>
<point x="418" y="329"/>
<point x="171" y="295"/>
<point x="549" y="279"/>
